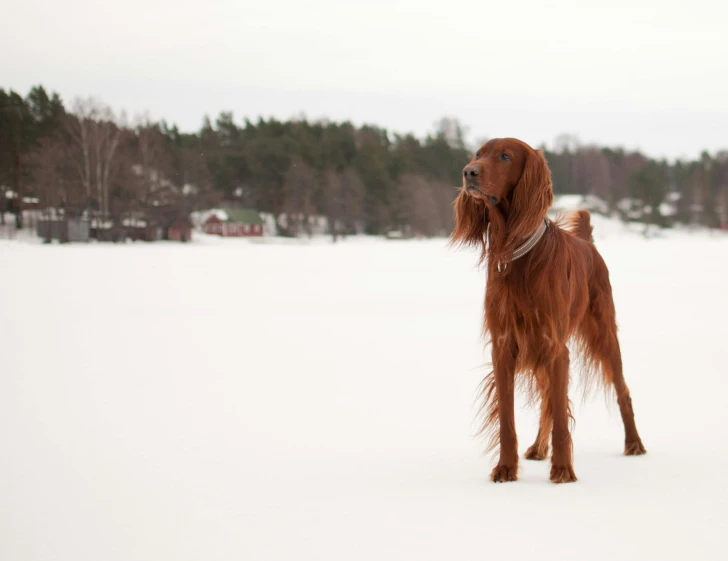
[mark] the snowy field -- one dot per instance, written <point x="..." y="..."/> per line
<point x="229" y="400"/>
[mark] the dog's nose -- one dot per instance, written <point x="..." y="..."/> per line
<point x="470" y="171"/>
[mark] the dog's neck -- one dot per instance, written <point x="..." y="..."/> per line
<point x="503" y="250"/>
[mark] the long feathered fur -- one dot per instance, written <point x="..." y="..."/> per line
<point x="557" y="297"/>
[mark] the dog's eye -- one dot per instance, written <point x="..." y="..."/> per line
<point x="504" y="157"/>
<point x="477" y="155"/>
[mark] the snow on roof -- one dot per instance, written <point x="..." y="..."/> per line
<point x="673" y="197"/>
<point x="242" y="215"/>
<point x="667" y="209"/>
<point x="134" y="222"/>
<point x="201" y="216"/>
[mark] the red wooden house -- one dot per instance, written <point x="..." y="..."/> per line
<point x="239" y="223"/>
<point x="213" y="225"/>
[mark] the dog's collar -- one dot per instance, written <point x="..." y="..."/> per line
<point x="526" y="246"/>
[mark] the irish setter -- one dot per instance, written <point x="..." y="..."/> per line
<point x="546" y="286"/>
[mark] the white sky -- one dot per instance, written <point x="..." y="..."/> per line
<point x="647" y="75"/>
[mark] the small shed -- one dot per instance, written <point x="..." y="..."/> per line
<point x="142" y="229"/>
<point x="63" y="229"/>
<point x="144" y="232"/>
<point x="239" y="222"/>
<point x="180" y="230"/>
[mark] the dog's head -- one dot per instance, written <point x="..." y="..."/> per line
<point x="507" y="185"/>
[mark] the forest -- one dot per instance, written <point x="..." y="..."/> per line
<point x="85" y="159"/>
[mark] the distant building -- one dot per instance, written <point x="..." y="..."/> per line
<point x="140" y="230"/>
<point x="107" y="231"/>
<point x="63" y="229"/>
<point x="180" y="230"/>
<point x="237" y="223"/>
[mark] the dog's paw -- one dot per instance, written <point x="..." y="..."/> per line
<point x="537" y="453"/>
<point x="634" y="448"/>
<point x="562" y="474"/>
<point x="501" y="474"/>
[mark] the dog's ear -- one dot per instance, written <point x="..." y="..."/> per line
<point x="532" y="197"/>
<point x="471" y="222"/>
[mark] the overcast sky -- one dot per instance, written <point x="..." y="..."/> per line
<point x="640" y="74"/>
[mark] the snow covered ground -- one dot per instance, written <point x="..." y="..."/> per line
<point x="229" y="400"/>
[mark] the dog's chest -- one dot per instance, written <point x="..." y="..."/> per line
<point x="515" y="305"/>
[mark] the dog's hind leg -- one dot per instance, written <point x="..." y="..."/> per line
<point x="599" y="332"/>
<point x="612" y="368"/>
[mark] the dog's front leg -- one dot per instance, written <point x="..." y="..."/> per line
<point x="504" y="369"/>
<point x="562" y="470"/>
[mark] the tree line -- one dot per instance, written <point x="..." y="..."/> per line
<point x="88" y="160"/>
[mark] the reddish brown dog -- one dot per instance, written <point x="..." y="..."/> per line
<point x="546" y="285"/>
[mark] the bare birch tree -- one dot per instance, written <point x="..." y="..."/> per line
<point x="96" y="131"/>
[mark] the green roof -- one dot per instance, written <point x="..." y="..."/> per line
<point x="244" y="215"/>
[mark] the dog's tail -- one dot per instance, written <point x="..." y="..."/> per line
<point x="579" y="224"/>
